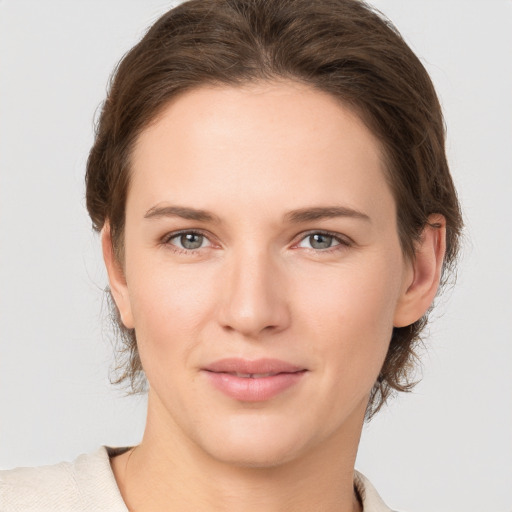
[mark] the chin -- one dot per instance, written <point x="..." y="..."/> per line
<point x="255" y="455"/>
<point x="258" y="444"/>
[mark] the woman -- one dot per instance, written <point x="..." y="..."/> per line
<point x="276" y="215"/>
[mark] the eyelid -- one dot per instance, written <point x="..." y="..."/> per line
<point x="343" y="240"/>
<point x="166" y="239"/>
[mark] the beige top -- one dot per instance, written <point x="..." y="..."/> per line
<point x="88" y="485"/>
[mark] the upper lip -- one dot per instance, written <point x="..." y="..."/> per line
<point x="252" y="367"/>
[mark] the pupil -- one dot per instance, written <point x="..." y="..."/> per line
<point x="191" y="241"/>
<point x="320" y="241"/>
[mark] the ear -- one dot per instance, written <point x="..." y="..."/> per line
<point x="116" y="278"/>
<point x="423" y="277"/>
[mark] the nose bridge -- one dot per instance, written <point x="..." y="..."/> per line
<point x="253" y="295"/>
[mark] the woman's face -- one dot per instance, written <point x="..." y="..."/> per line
<point x="263" y="270"/>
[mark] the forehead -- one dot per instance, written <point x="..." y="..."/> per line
<point x="290" y="109"/>
<point x="281" y="141"/>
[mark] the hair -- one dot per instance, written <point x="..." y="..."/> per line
<point x="342" y="47"/>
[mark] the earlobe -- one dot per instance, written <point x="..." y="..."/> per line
<point x="423" y="282"/>
<point x="116" y="278"/>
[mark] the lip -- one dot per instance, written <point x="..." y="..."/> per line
<point x="253" y="380"/>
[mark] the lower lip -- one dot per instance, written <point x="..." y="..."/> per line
<point x="248" y="389"/>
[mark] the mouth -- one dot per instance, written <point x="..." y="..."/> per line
<point x="252" y="375"/>
<point x="253" y="381"/>
<point x="249" y="368"/>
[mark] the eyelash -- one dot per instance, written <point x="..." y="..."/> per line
<point x="342" y="241"/>
<point x="166" y="241"/>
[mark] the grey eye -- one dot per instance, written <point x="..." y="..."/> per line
<point x="191" y="240"/>
<point x="320" y="241"/>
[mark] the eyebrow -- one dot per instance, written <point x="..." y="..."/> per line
<point x="294" y="216"/>
<point x="181" y="211"/>
<point x="329" y="212"/>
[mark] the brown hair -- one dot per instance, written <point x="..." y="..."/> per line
<point x="342" y="47"/>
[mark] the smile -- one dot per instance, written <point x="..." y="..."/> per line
<point x="253" y="381"/>
<point x="253" y="375"/>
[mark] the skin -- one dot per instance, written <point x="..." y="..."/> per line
<point x="259" y="286"/>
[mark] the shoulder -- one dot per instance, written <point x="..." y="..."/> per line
<point x="84" y="484"/>
<point x="372" y="502"/>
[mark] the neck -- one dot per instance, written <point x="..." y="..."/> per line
<point x="167" y="472"/>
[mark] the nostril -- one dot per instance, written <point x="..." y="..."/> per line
<point x="253" y="299"/>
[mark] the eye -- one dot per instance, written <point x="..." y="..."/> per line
<point x="188" y="240"/>
<point x="321" y="241"/>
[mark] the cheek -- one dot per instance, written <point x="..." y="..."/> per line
<point x="348" y="314"/>
<point x="169" y="309"/>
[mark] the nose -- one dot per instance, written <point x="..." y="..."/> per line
<point x="253" y="299"/>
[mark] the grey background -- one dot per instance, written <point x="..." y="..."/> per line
<point x="445" y="447"/>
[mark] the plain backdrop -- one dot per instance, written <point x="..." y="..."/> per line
<point x="445" y="447"/>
